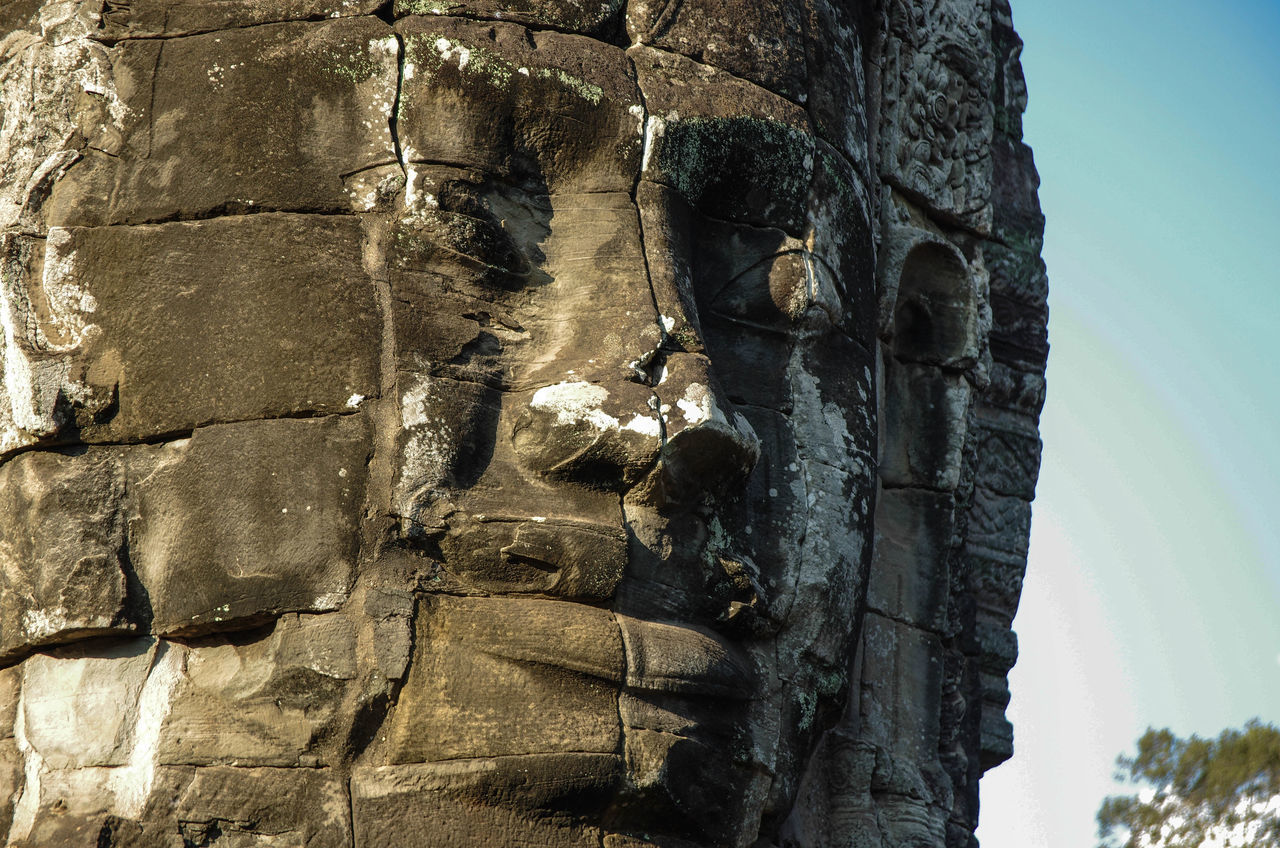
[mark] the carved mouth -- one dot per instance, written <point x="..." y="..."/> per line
<point x="648" y="710"/>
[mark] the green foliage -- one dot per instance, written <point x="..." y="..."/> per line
<point x="1195" y="790"/>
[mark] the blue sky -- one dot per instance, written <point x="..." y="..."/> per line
<point x="1153" y="588"/>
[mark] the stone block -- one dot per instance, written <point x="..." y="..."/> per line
<point x="45" y="323"/>
<point x="1008" y="457"/>
<point x="837" y="84"/>
<point x="505" y="677"/>
<point x="995" y="579"/>
<point x="80" y="703"/>
<point x="734" y="150"/>
<point x="999" y="522"/>
<point x="925" y="421"/>
<point x="64" y="573"/>
<point x="1018" y="221"/>
<point x="326" y="153"/>
<point x="901" y="689"/>
<point x="243" y="317"/>
<point x="1017" y="272"/>
<point x="594" y="19"/>
<point x="11" y="783"/>
<point x="910" y="577"/>
<point x="546" y="802"/>
<point x="709" y="31"/>
<point x="244" y="522"/>
<point x="554" y="112"/>
<point x="1019" y="333"/>
<point x="937" y="119"/>
<point x="260" y="700"/>
<point x="841" y="236"/>
<point x="1015" y="390"/>
<point x="937" y="313"/>
<point x="247" y="806"/>
<point x="142" y="18"/>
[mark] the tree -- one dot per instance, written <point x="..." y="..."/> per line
<point x="1198" y="792"/>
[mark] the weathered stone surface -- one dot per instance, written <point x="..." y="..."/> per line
<point x="298" y="483"/>
<point x="80" y="704"/>
<point x="44" y="324"/>
<point x="251" y="156"/>
<point x="511" y="422"/>
<point x="508" y="678"/>
<point x="64" y="572"/>
<point x="925" y="421"/>
<point x="706" y="131"/>
<point x="909" y="576"/>
<point x="553" y="112"/>
<point x="580" y="16"/>
<point x="937" y="136"/>
<point x="259" y="699"/>
<point x="142" y="18"/>
<point x="58" y="83"/>
<point x="218" y="337"/>
<point x="526" y="802"/>
<point x="707" y="31"/>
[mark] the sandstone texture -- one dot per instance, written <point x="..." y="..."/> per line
<point x="489" y="423"/>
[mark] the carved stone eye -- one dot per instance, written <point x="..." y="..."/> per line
<point x="770" y="294"/>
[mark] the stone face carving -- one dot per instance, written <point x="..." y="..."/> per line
<point x="531" y="423"/>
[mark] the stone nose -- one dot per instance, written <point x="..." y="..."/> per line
<point x="601" y="435"/>
<point x="709" y="448"/>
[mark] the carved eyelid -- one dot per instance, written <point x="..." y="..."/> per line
<point x="717" y="298"/>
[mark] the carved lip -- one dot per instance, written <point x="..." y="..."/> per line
<point x="655" y="656"/>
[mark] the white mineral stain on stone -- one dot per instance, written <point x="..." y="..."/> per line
<point x="39" y="624"/>
<point x="354" y="401"/>
<point x="645" y="425"/>
<point x="574" y="402"/>
<point x="413" y="404"/>
<point x="697" y="405"/>
<point x="654" y="128"/>
<point x="450" y="50"/>
<point x="430" y="449"/>
<point x="580" y="402"/>
<point x="132" y="784"/>
<point x="668" y="324"/>
<point x="410" y="176"/>
<point x="37" y="351"/>
<point x="24" y="811"/>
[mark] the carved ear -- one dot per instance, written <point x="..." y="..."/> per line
<point x="935" y="318"/>
<point x="930" y="311"/>
<point x="929" y="300"/>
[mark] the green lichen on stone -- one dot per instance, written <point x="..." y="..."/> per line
<point x="700" y="154"/>
<point x="425" y="7"/>
<point x="354" y="68"/>
<point x="808" y="703"/>
<point x="585" y="90"/>
<point x="830" y="683"/>
<point x="846" y="196"/>
<point x="432" y="50"/>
